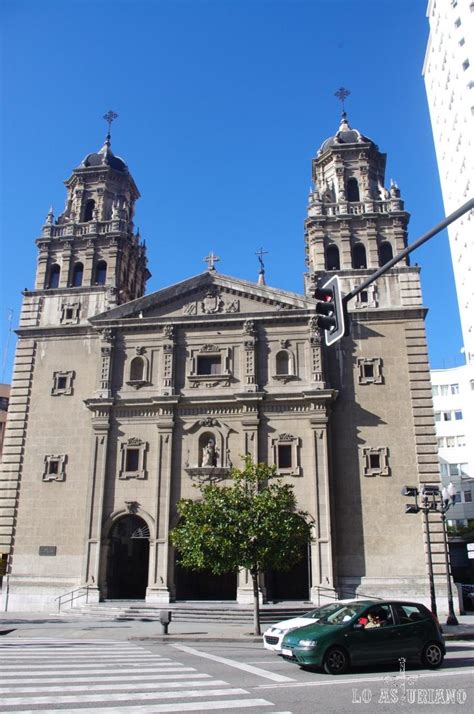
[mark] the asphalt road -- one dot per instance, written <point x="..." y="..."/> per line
<point x="111" y="676"/>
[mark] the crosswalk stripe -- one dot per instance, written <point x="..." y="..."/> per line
<point x="168" y="667"/>
<point x="24" y="679"/>
<point x="147" y="671"/>
<point x="163" y="708"/>
<point x="142" y="696"/>
<point x="114" y="686"/>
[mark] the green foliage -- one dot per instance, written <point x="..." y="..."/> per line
<point x="252" y="524"/>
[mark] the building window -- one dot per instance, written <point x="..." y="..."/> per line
<point x="359" y="257"/>
<point x="366" y="298"/>
<point x="54" y="467"/>
<point x="450" y="442"/>
<point x="89" y="210"/>
<point x="457" y="497"/>
<point x="437" y="416"/>
<point x="132" y="463"/>
<point x="435" y="390"/>
<point x="370" y="370"/>
<point x="332" y="258"/>
<point x="467" y="497"/>
<point x="454" y="388"/>
<point x="457" y="22"/>
<point x="458" y="415"/>
<point x="465" y="64"/>
<point x="282" y="362"/>
<point x="461" y="440"/>
<point x="62" y="383"/>
<point x="444" y="390"/>
<point x="446" y="416"/>
<point x="54" y="273"/>
<point x="101" y="273"/>
<point x="353" y="190"/>
<point x="375" y="461"/>
<point x="285" y="455"/>
<point x="209" y="364"/>
<point x="385" y="252"/>
<point x="70" y="312"/>
<point x="77" y="275"/>
<point x="3" y="404"/>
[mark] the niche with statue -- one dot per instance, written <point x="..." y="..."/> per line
<point x="206" y="449"/>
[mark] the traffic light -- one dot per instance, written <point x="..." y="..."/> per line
<point x="330" y="310"/>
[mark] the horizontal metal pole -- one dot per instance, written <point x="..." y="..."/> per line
<point x="413" y="246"/>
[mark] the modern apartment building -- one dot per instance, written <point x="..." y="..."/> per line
<point x="453" y="400"/>
<point x="449" y="78"/>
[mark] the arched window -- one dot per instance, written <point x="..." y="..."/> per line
<point x="385" y="252"/>
<point x="359" y="257"/>
<point x="332" y="258"/>
<point x="89" y="210"/>
<point x="137" y="369"/>
<point x="283" y="362"/>
<point x="101" y="272"/>
<point x="77" y="275"/>
<point x="54" y="274"/>
<point x="353" y="190"/>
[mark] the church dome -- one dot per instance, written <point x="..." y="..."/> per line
<point x="344" y="135"/>
<point x="105" y="157"/>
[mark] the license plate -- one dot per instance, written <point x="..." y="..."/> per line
<point x="287" y="653"/>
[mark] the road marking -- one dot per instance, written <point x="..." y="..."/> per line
<point x="101" y="687"/>
<point x="94" y="676"/>
<point x="165" y="667"/>
<point x="111" y="697"/>
<point x="324" y="682"/>
<point x="237" y="665"/>
<point x="160" y="708"/>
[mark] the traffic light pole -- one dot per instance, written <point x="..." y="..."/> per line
<point x="413" y="246"/>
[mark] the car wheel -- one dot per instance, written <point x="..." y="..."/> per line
<point x="433" y="655"/>
<point x="336" y="661"/>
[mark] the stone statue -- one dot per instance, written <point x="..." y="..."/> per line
<point x="208" y="453"/>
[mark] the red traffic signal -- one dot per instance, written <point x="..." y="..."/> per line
<point x="330" y="310"/>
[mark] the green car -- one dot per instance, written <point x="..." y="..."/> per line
<point x="365" y="632"/>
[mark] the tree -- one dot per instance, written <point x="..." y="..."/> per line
<point x="252" y="524"/>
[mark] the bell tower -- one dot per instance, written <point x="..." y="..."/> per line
<point x="354" y="223"/>
<point x="92" y="247"/>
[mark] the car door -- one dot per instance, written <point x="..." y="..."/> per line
<point x="411" y="628"/>
<point x="374" y="644"/>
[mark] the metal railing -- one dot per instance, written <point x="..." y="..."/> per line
<point x="73" y="595"/>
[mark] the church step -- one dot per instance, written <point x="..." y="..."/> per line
<point x="228" y="613"/>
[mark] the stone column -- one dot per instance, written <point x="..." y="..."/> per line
<point x="89" y="264"/>
<point x="42" y="266"/>
<point x="322" y="576"/>
<point x="92" y="567"/>
<point x="250" y="341"/>
<point x="316" y="354"/>
<point x="158" y="590"/>
<point x="167" y="364"/>
<point x="66" y="272"/>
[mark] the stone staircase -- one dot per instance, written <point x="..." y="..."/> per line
<point x="225" y="612"/>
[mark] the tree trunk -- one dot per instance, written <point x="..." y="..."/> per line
<point x="256" y="605"/>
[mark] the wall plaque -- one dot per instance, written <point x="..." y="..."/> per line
<point x="47" y="550"/>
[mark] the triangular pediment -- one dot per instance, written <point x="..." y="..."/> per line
<point x="207" y="294"/>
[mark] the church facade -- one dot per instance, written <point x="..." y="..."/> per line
<point x="122" y="402"/>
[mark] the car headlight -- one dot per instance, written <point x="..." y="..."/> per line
<point x="308" y="643"/>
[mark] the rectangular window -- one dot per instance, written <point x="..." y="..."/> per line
<point x="467" y="496"/>
<point x="437" y="416"/>
<point x="435" y="390"/>
<point x="444" y="390"/>
<point x="465" y="64"/>
<point x="443" y="467"/>
<point x="53" y="466"/>
<point x="453" y="470"/>
<point x="368" y="371"/>
<point x="446" y="416"/>
<point x="455" y="389"/>
<point x="132" y="460"/>
<point x="284" y="456"/>
<point x="3" y="404"/>
<point x="458" y="415"/>
<point x="374" y="461"/>
<point x="364" y="296"/>
<point x="441" y="442"/>
<point x="457" y="497"/>
<point x="209" y="364"/>
<point x="61" y="383"/>
<point x="461" y="440"/>
<point x="450" y="442"/>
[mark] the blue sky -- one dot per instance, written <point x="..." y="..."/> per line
<point x="222" y="104"/>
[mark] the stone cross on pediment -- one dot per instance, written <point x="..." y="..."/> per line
<point x="210" y="260"/>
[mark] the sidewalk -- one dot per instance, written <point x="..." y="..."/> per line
<point x="27" y="625"/>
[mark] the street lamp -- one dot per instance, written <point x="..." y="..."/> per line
<point x="434" y="500"/>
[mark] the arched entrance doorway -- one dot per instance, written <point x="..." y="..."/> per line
<point x="292" y="584"/>
<point x="127" y="562"/>
<point x="204" y="585"/>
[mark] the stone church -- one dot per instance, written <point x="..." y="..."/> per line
<point x="122" y="402"/>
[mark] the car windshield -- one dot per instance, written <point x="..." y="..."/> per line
<point x="324" y="612"/>
<point x="340" y="613"/>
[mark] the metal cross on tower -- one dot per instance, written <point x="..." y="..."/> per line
<point x="210" y="260"/>
<point x="260" y="253"/>
<point x="342" y="94"/>
<point x="109" y="118"/>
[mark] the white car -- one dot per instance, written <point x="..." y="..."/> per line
<point x="273" y="637"/>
